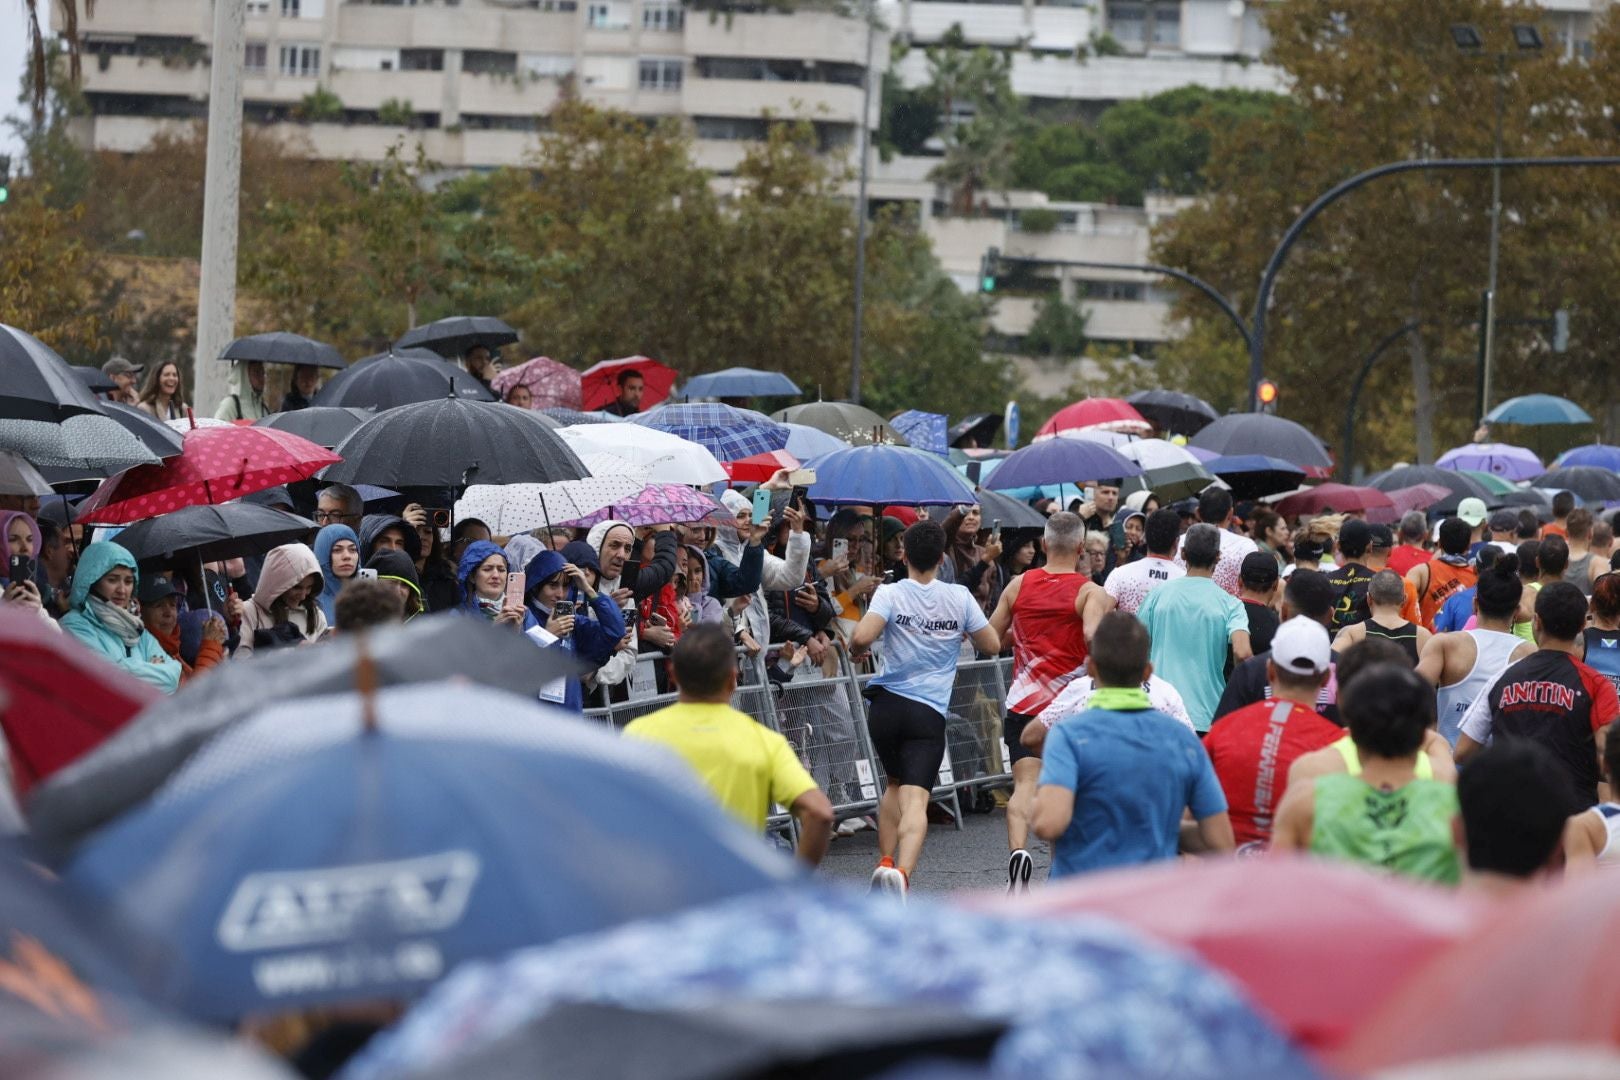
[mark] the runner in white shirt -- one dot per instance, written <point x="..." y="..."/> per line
<point x="1130" y="584"/>
<point x="1215" y="508"/>
<point x="1077" y="695"/>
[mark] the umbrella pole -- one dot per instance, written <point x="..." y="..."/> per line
<point x="202" y="580"/>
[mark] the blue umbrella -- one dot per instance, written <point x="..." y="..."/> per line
<point x="306" y="855"/>
<point x="1596" y="455"/>
<point x="730" y="434"/>
<point x="1499" y="459"/>
<point x="1061" y="461"/>
<point x="1081" y="997"/>
<point x="882" y="475"/>
<point x="923" y="430"/>
<point x="805" y="442"/>
<point x="740" y="382"/>
<point x="1538" y="409"/>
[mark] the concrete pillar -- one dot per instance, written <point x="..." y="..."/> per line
<point x="222" y="183"/>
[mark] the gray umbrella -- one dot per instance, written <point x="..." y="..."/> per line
<point x="36" y="383"/>
<point x="280" y="347"/>
<point x="209" y="533"/>
<point x="322" y="425"/>
<point x="1011" y="512"/>
<point x="93" y="443"/>
<point x="458" y="334"/>
<point x="134" y="762"/>
<point x="390" y="380"/>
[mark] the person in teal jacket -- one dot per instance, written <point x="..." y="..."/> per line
<point x="103" y="585"/>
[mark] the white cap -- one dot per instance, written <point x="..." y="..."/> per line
<point x="1472" y="511"/>
<point x="1301" y="647"/>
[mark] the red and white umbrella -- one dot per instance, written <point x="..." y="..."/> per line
<point x="1107" y="414"/>
<point x="760" y="467"/>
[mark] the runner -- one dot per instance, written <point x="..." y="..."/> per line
<point x="1513" y="817"/>
<point x="1386" y="594"/>
<point x="1307" y="593"/>
<point x="1259" y="576"/>
<point x="1215" y="508"/>
<point x="1446" y="573"/>
<point x="1410" y="552"/>
<point x="1464" y="664"/>
<point x="1192" y="623"/>
<point x="1602" y="637"/>
<point x="922" y="622"/>
<point x="1592" y="837"/>
<point x="1130" y="584"/>
<point x="1052" y="612"/>
<point x="1351" y="578"/>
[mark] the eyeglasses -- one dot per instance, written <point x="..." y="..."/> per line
<point x="324" y="517"/>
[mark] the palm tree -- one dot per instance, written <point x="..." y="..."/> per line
<point x="36" y="40"/>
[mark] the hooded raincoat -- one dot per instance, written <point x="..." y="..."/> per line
<point x="331" y="583"/>
<point x="242" y="402"/>
<point x="284" y="568"/>
<point x="598" y="623"/>
<point x="373" y="524"/>
<point x="139" y="655"/>
<point x="471" y="560"/>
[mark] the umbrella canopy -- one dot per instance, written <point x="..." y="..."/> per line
<point x="81" y="447"/>
<point x="994" y="506"/>
<point x="36" y="383"/>
<point x="888" y="476"/>
<point x="1595" y="454"/>
<point x="280" y="347"/>
<point x="1586" y="482"/>
<point x="18" y="477"/>
<point x="854" y="424"/>
<point x="453" y="442"/>
<point x="805" y="442"/>
<point x="417" y="806"/>
<point x="1416" y="497"/>
<point x="209" y="533"/>
<point x="95" y="380"/>
<point x="515" y="508"/>
<point x="1173" y="411"/>
<point x="728" y="433"/>
<point x="1168" y="470"/>
<point x="573" y="417"/>
<point x="1538" y="409"/>
<point x="1492" y="483"/>
<point x="599" y="384"/>
<point x="1273" y="436"/>
<point x="130" y="766"/>
<point x="667" y="458"/>
<point x="658" y="504"/>
<point x="1105" y="414"/>
<point x="1460" y="486"/>
<point x="1061" y="461"/>
<point x="1253" y="476"/>
<point x="1334" y="498"/>
<point x="1533" y="498"/>
<point x="980" y="428"/>
<point x="388" y="381"/>
<point x="58" y="699"/>
<point x="183" y="424"/>
<point x="1498" y="459"/>
<point x="760" y="467"/>
<point x="458" y="334"/>
<point x="156" y="435"/>
<point x="923" y="430"/>
<point x="1081" y="997"/>
<point x="551" y="384"/>
<point x="323" y="425"/>
<point x="217" y="465"/>
<point x="740" y="382"/>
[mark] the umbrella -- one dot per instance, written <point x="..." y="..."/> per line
<point x="1603" y="457"/>
<point x="1168" y="470"/>
<point x="1416" y="497"/>
<point x="1495" y="485"/>
<point x="1251" y="476"/>
<point x="760" y="467"/>
<point x="281" y="347"/>
<point x="1081" y="997"/>
<point x="453" y="442"/>
<point x="657" y="504"/>
<point x="1340" y="498"/>
<point x="217" y="465"/>
<point x="156" y="435"/>
<point x="994" y="506"/>
<point x="888" y="476"/>
<point x="805" y="442"/>
<point x="209" y="533"/>
<point x="388" y="381"/>
<point x="1173" y="411"/>
<point x="130" y="766"/>
<point x="1262" y="433"/>
<point x="517" y="508"/>
<point x="981" y="428"/>
<point x="728" y="433"/>
<point x="57" y="698"/>
<point x="322" y="425"/>
<point x="1527" y="497"/>
<point x="95" y="380"/>
<point x="1498" y="459"/>
<point x="1587" y="483"/>
<point x="573" y="417"/>
<point x="1538" y="409"/>
<point x="854" y="424"/>
<point x="599" y="384"/>
<point x="183" y="424"/>
<point x="1460" y="486"/>
<point x="1061" y="461"/>
<point x="18" y="477"/>
<point x="1275" y="925"/>
<point x="923" y="430"/>
<point x="667" y="458"/>
<point x="1107" y="414"/>
<point x="458" y="335"/>
<point x="378" y="840"/>
<point x="740" y="382"/>
<point x="551" y="384"/>
<point x="36" y="383"/>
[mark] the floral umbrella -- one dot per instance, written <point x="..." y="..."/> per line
<point x="552" y="384"/>
<point x="657" y="504"/>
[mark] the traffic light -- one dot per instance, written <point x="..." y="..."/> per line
<point x="5" y="177"/>
<point x="1267" y="393"/>
<point x="987" y="269"/>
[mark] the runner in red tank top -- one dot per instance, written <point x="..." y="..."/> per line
<point x="1052" y="612"/>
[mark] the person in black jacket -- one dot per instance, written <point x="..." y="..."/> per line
<point x="1308" y="593"/>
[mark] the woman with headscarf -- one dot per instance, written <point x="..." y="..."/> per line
<point x="103" y="616"/>
<point x="285" y="609"/>
<point x="337" y="552"/>
<point x="591" y="631"/>
<point x="21" y="538"/>
<point x="482" y="574"/>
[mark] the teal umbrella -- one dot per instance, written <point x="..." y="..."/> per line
<point x="1538" y="409"/>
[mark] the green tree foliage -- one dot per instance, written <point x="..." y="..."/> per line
<point x="1059" y="329"/>
<point x="50" y="284"/>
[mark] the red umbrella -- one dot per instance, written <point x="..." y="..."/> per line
<point x="1407" y="499"/>
<point x="760" y="467"/>
<point x="58" y="700"/>
<point x="599" y="385"/>
<point x="1108" y="414"/>
<point x="1339" y="498"/>
<point x="217" y="464"/>
<point x="1317" y="944"/>
<point x="554" y="385"/>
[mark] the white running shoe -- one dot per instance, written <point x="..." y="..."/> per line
<point x="888" y="881"/>
<point x="1019" y="868"/>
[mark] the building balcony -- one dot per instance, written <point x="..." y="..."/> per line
<point x="467" y="26"/>
<point x="803" y="35"/>
<point x="506" y="95"/>
<point x="1106" y="320"/>
<point x="750" y="97"/>
<point x="368" y="89"/>
<point x="156" y="18"/>
<point x="145" y="75"/>
<point x="1112" y="78"/>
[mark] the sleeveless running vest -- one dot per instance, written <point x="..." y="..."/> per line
<point x="1579" y="574"/>
<point x="1404" y="635"/>
<point x="1444" y="580"/>
<point x="1407" y="830"/>
<point x="1049" y="642"/>
<point x="1352" y="760"/>
<point x="1609" y="814"/>
<point x="1492" y="650"/>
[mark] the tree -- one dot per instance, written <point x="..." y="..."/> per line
<point x="49" y="281"/>
<point x="1059" y="329"/>
<point x="983" y="120"/>
<point x="398" y="226"/>
<point x="40" y="49"/>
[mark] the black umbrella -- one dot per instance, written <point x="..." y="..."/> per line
<point x="1012" y="513"/>
<point x="981" y="427"/>
<point x="390" y="380"/>
<point x="95" y="380"/>
<point x="1586" y="482"/>
<point x="208" y="533"/>
<point x="1460" y="486"/>
<point x="154" y="434"/>
<point x="280" y="347"/>
<point x="1262" y="433"/>
<point x="459" y="333"/>
<point x="453" y="442"/>
<point x="135" y="761"/>
<point x="1531" y="498"/>
<point x="37" y="384"/>
<point x="1171" y="410"/>
<point x="323" y="425"/>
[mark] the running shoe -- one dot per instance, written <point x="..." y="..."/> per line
<point x="888" y="881"/>
<point x="1019" y="868"/>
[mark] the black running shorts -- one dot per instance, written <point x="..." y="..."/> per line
<point x="909" y="738"/>
<point x="1012" y="731"/>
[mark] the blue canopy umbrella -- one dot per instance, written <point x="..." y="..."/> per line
<point x="1082" y="997"/>
<point x="1597" y="455"/>
<point x="730" y="434"/>
<point x="347" y="848"/>
<point x="1061" y="461"/>
<point x="1538" y="409"/>
<point x="740" y="382"/>
<point x="805" y="442"/>
<point x="882" y="475"/>
<point x="923" y="430"/>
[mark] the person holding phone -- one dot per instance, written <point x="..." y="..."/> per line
<point x="22" y="538"/>
<point x="482" y="574"/>
<point x="573" y="616"/>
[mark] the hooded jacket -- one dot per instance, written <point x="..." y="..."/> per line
<point x="471" y="560"/>
<point x="6" y="518"/>
<point x="284" y="568"/>
<point x="324" y="542"/>
<point x="598" y="623"/>
<point x="373" y="524"/>
<point x="397" y="566"/>
<point x="146" y="658"/>
<point x="242" y="402"/>
<point x="643" y="580"/>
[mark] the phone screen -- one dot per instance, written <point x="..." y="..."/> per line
<point x="563" y="608"/>
<point x="995" y="532"/>
<point x="762" y="506"/>
<point x="840" y="549"/>
<point x="20" y="569"/>
<point x="514" y="589"/>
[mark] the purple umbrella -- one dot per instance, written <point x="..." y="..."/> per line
<point x="657" y="504"/>
<point x="1498" y="459"/>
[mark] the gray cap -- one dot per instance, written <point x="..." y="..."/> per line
<point x="1505" y="521"/>
<point x="120" y="366"/>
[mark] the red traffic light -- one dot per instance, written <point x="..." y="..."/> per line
<point x="1267" y="392"/>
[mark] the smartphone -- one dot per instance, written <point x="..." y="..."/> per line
<point x="995" y="531"/>
<point x="514" y="588"/>
<point x="656" y="619"/>
<point x="438" y="516"/>
<point x="562" y="608"/>
<point x="840" y="549"/>
<point x="762" y="506"/>
<point x="888" y="577"/>
<point x="366" y="572"/>
<point x="802" y="478"/>
<point x="20" y="570"/>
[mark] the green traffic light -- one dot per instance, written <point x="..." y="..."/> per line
<point x="988" y="284"/>
<point x="5" y="193"/>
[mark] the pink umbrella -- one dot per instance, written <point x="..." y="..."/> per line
<point x="1342" y="498"/>
<point x="599" y="385"/>
<point x="554" y="385"/>
<point x="1108" y="414"/>
<point x="658" y="504"/>
<point x="1407" y="499"/>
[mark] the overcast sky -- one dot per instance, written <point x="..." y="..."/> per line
<point x="13" y="50"/>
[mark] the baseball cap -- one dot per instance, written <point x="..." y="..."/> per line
<point x="155" y="587"/>
<point x="1259" y="570"/>
<point x="1504" y="521"/>
<point x="1301" y="646"/>
<point x="120" y="366"/>
<point x="1472" y="511"/>
<point x="1354" y="536"/>
<point x="1382" y="537"/>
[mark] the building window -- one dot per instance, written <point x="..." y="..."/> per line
<point x="661" y="75"/>
<point x="301" y="61"/>
<point x="255" y="57"/>
<point x="258" y="7"/>
<point x="1139" y="24"/>
<point x="421" y="59"/>
<point x="289" y="9"/>
<point x="1133" y="291"/>
<point x="482" y="62"/>
<point x="663" y="17"/>
<point x="1127" y="21"/>
<point x="1166" y="20"/>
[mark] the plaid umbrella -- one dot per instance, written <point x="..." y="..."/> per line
<point x="730" y="434"/>
<point x="552" y="384"/>
<point x="923" y="430"/>
<point x="657" y="504"/>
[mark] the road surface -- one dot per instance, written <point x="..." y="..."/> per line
<point x="974" y="857"/>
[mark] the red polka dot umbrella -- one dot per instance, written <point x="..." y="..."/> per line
<point x="217" y="464"/>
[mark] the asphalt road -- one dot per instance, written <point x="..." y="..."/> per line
<point x="953" y="860"/>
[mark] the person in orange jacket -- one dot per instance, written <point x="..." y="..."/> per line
<point x="160" y="611"/>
